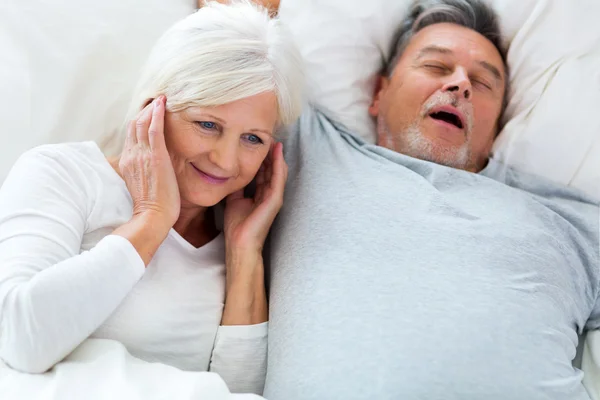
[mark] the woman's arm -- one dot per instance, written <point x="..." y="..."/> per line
<point x="51" y="297"/>
<point x="246" y="224"/>
<point x="240" y="351"/>
<point x="246" y="298"/>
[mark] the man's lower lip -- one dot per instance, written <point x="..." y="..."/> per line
<point x="210" y="179"/>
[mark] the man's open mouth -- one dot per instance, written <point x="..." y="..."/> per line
<point x="448" y="117"/>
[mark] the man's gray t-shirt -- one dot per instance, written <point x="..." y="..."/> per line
<point x="396" y="278"/>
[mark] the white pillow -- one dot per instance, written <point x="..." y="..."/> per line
<point x="68" y="67"/>
<point x="554" y="56"/>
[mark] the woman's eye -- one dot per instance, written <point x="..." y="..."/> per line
<point x="207" y="125"/>
<point x="253" y="139"/>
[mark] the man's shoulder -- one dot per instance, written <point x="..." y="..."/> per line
<point x="567" y="205"/>
<point x="317" y="125"/>
<point x="315" y="118"/>
<point x="538" y="186"/>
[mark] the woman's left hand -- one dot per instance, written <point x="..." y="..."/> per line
<point x="248" y="220"/>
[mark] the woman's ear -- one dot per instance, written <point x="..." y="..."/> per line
<point x="380" y="88"/>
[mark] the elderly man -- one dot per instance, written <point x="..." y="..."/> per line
<point x="419" y="268"/>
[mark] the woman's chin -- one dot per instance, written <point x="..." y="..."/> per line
<point x="201" y="200"/>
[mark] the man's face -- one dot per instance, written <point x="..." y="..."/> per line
<point x="444" y="98"/>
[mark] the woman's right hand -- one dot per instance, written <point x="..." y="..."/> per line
<point x="148" y="172"/>
<point x="147" y="169"/>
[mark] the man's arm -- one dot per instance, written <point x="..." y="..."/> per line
<point x="272" y="5"/>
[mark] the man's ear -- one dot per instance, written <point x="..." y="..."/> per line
<point x="380" y="88"/>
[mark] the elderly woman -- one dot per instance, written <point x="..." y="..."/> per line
<point x="129" y="248"/>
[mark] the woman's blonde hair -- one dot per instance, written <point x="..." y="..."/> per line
<point x="220" y="54"/>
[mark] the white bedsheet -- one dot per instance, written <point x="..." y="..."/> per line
<point x="104" y="370"/>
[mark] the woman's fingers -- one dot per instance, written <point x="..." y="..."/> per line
<point x="238" y="195"/>
<point x="156" y="130"/>
<point x="277" y="177"/>
<point x="279" y="170"/>
<point x="260" y="175"/>
<point x="270" y="181"/>
<point x="131" y="138"/>
<point x="268" y="165"/>
<point x="260" y="185"/>
<point x="142" y="124"/>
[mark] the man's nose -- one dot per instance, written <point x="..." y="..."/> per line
<point x="459" y="83"/>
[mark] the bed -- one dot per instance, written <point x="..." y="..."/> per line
<point x="67" y="69"/>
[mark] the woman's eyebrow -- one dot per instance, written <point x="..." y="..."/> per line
<point x="262" y="131"/>
<point x="220" y="120"/>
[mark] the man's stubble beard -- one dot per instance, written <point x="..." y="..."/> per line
<point x="413" y="143"/>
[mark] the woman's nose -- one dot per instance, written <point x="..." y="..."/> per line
<point x="224" y="155"/>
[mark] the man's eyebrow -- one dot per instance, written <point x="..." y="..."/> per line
<point x="433" y="50"/>
<point x="491" y="69"/>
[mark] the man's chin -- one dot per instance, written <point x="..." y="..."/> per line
<point x="436" y="151"/>
<point x="443" y="135"/>
<point x="413" y="143"/>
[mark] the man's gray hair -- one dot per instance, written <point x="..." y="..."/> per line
<point x="472" y="14"/>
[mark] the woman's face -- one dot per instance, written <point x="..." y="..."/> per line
<point x="217" y="151"/>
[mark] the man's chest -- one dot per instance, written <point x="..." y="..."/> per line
<point x="417" y="283"/>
